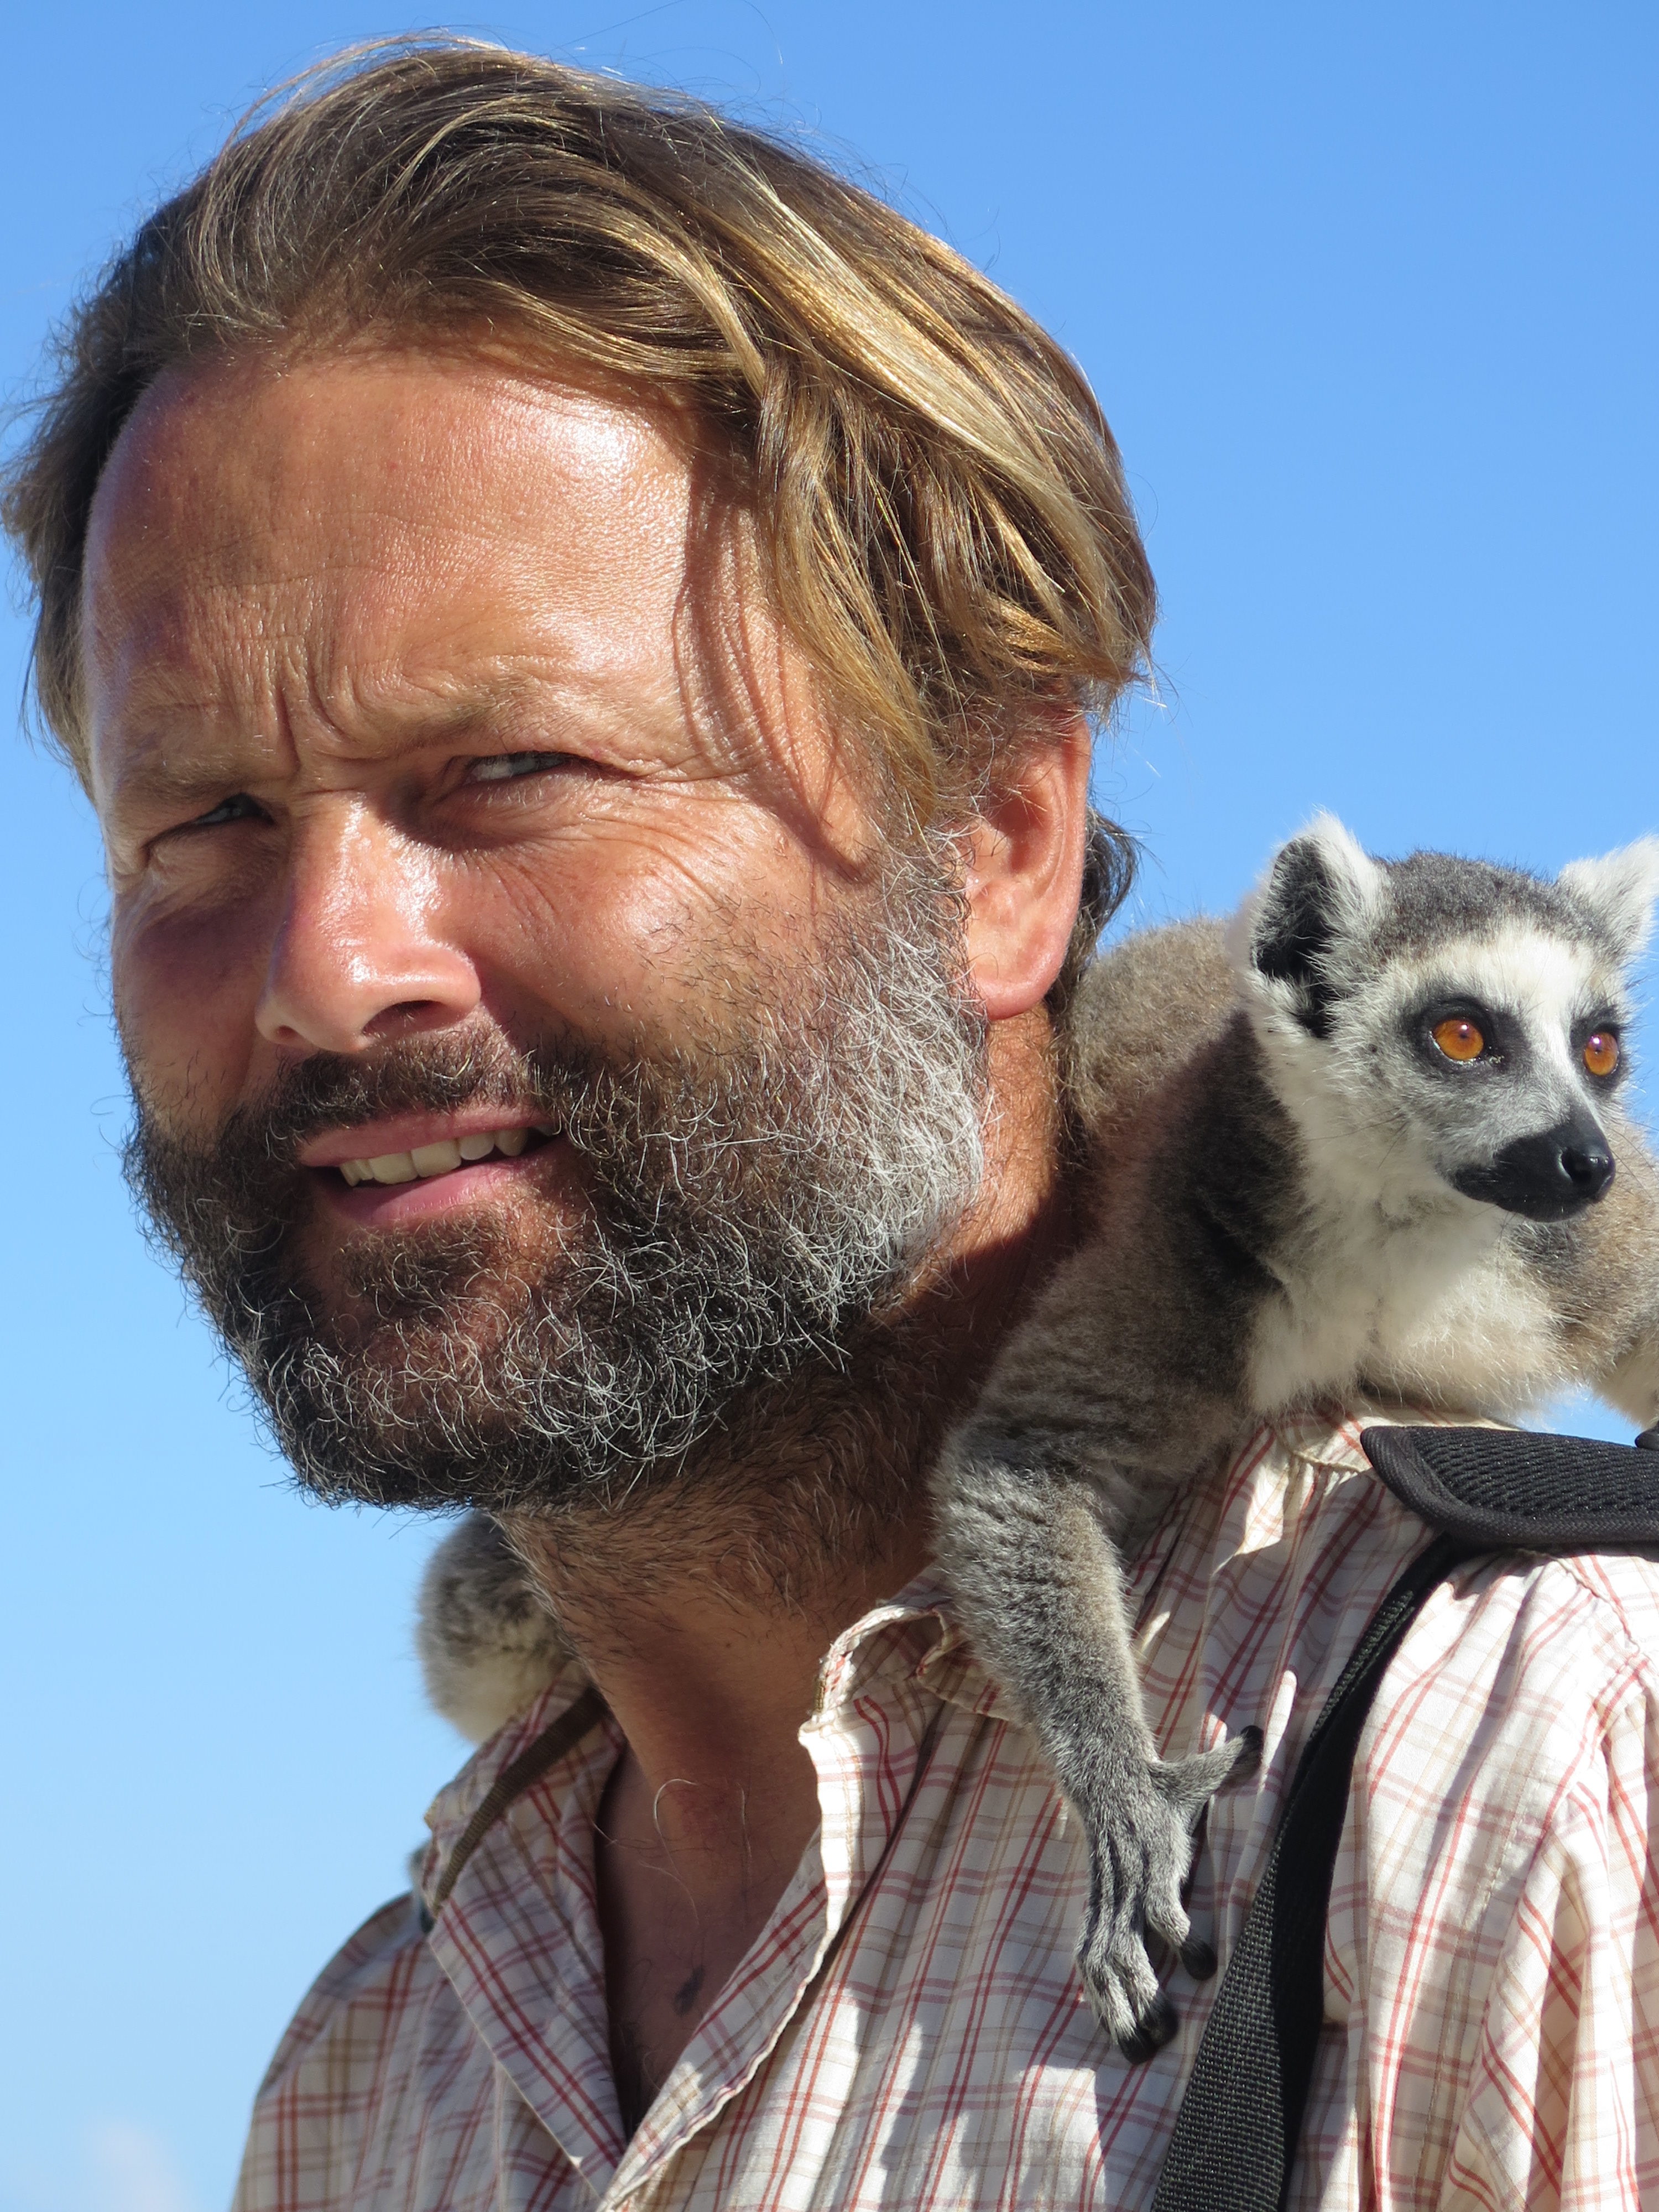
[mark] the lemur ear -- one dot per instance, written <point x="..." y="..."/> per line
<point x="1619" y="890"/>
<point x="1317" y="887"/>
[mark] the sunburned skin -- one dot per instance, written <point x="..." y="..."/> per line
<point x="365" y="746"/>
<point x="423" y="702"/>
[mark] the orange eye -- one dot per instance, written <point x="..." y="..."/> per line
<point x="1459" y="1038"/>
<point x="1601" y="1053"/>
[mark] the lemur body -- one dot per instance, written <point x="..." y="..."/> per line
<point x="1291" y="1193"/>
<point x="1357" y="1148"/>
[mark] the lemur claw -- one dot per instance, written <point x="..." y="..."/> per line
<point x="1140" y="1849"/>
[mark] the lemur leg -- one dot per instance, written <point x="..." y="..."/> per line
<point x="1037" y="1579"/>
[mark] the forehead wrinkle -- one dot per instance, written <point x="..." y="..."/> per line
<point x="421" y="695"/>
<point x="358" y="708"/>
<point x="175" y="674"/>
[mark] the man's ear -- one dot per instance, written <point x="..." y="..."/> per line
<point x="1023" y="871"/>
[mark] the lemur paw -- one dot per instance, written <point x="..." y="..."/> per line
<point x="1140" y="1850"/>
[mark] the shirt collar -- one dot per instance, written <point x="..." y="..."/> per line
<point x="913" y="1636"/>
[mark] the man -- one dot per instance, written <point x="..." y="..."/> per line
<point x="581" y="629"/>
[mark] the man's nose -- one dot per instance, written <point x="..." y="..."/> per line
<point x="358" y="956"/>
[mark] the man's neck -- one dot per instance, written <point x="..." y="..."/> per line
<point x="702" y="1615"/>
<point x="703" y="1610"/>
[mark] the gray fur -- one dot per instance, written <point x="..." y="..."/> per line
<point x="1267" y="1220"/>
<point x="1271" y="1219"/>
<point x="487" y="1644"/>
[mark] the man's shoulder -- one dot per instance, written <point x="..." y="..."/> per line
<point x="1582" y="1624"/>
<point x="1302" y="1540"/>
<point x="1582" y="1620"/>
<point x="388" y="1949"/>
<point x="379" y="2042"/>
<point x="1524" y="1687"/>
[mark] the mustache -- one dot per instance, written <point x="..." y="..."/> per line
<point x="438" y="1074"/>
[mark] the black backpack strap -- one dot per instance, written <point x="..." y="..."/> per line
<point x="1511" y="1490"/>
<point x="1235" y="2136"/>
<point x="1236" y="2133"/>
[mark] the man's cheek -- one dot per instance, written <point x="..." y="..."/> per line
<point x="629" y="933"/>
<point x="184" y="989"/>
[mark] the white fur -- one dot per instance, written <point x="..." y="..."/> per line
<point x="481" y="1693"/>
<point x="1621" y="888"/>
<point x="1397" y="1281"/>
<point x="1361" y="884"/>
<point x="1633" y="1385"/>
<point x="1436" y="1311"/>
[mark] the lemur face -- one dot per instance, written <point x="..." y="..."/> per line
<point x="1471" y="1019"/>
<point x="1495" y="1058"/>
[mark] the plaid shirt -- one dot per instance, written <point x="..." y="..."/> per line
<point x="909" y="2031"/>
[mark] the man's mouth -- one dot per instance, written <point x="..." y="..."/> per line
<point x="424" y="1162"/>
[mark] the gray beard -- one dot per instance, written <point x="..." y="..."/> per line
<point x="757" y="1202"/>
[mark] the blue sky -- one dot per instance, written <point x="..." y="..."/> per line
<point x="1367" y="293"/>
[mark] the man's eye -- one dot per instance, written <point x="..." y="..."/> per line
<point x="507" y="768"/>
<point x="239" y="807"/>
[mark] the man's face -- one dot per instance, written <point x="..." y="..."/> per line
<point x="468" y="817"/>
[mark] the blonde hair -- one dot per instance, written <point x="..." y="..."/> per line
<point x="939" y="502"/>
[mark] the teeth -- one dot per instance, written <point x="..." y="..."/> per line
<point x="440" y="1159"/>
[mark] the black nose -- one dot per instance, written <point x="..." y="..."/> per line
<point x="1588" y="1168"/>
<point x="1548" y="1176"/>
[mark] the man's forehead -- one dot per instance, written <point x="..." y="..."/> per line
<point x="424" y="541"/>
<point x="371" y="416"/>
<point x="263" y="479"/>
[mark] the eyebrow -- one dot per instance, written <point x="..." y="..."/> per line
<point x="182" y="788"/>
<point x="162" y="768"/>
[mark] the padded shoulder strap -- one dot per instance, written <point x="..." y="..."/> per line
<point x="1233" y="2147"/>
<point x="1507" y="1490"/>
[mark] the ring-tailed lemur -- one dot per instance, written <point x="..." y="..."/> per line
<point x="1357" y="1152"/>
<point x="1364" y="1146"/>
